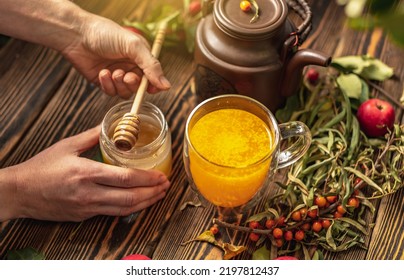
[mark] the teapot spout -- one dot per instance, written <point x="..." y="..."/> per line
<point x="294" y="69"/>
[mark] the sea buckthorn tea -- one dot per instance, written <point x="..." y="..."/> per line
<point x="233" y="156"/>
<point x="231" y="149"/>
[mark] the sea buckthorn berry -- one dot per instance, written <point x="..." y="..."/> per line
<point x="341" y="209"/>
<point x="320" y="201"/>
<point x="214" y="230"/>
<point x="254" y="236"/>
<point x="331" y="198"/>
<point x="303" y="212"/>
<point x="299" y="235"/>
<point x="280" y="221"/>
<point x="270" y="223"/>
<point x="277" y="233"/>
<point x="357" y="181"/>
<point x="305" y="226"/>
<point x="296" y="216"/>
<point x="194" y="7"/>
<point x="338" y="215"/>
<point x="353" y="202"/>
<point x="245" y="6"/>
<point x="312" y="75"/>
<point x="326" y="223"/>
<point x="279" y="243"/>
<point x="316" y="226"/>
<point x="312" y="213"/>
<point x="253" y="224"/>
<point x="288" y="235"/>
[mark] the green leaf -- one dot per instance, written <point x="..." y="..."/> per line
<point x="365" y="66"/>
<point x="364" y="178"/>
<point x="354" y="223"/>
<point x="393" y="23"/>
<point x="292" y="105"/>
<point x="25" y="254"/>
<point x="268" y="214"/>
<point x="329" y="237"/>
<point x="351" y="84"/>
<point x="261" y="254"/>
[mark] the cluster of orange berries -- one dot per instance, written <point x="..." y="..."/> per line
<point x="304" y="220"/>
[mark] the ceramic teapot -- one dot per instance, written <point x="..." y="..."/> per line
<point x="257" y="58"/>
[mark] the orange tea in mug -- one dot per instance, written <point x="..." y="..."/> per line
<point x="230" y="156"/>
<point x="231" y="149"/>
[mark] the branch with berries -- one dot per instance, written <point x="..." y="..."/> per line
<point x="181" y="24"/>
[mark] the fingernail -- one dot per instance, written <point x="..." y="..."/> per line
<point x="162" y="179"/>
<point x="165" y="82"/>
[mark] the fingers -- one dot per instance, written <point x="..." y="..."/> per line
<point x="120" y="82"/>
<point x="122" y="202"/>
<point x="151" y="67"/>
<point x="82" y="142"/>
<point x="120" y="191"/>
<point x="106" y="83"/>
<point x="116" y="176"/>
<point x="112" y="210"/>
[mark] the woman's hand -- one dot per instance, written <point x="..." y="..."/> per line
<point x="59" y="185"/>
<point x="115" y="57"/>
<point x="103" y="51"/>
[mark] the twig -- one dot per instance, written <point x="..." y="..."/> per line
<point x="385" y="93"/>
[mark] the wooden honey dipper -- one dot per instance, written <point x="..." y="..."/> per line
<point x="127" y="131"/>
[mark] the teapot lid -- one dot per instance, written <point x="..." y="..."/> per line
<point x="232" y="20"/>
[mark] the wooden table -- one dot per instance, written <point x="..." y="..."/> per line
<point x="43" y="99"/>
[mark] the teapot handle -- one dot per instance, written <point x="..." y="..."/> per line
<point x="297" y="37"/>
<point x="303" y="10"/>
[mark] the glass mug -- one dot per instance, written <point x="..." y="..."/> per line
<point x="232" y="150"/>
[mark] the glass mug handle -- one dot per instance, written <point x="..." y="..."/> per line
<point x="298" y="148"/>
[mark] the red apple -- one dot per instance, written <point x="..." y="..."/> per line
<point x="375" y="117"/>
<point x="136" y="257"/>
<point x="288" y="258"/>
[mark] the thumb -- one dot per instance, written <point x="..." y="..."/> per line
<point x="84" y="141"/>
<point x="151" y="68"/>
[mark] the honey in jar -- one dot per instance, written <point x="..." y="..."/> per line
<point x="153" y="147"/>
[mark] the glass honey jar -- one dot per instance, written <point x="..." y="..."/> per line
<point x="153" y="148"/>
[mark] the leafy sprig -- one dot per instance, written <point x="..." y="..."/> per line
<point x="181" y="23"/>
<point x="342" y="162"/>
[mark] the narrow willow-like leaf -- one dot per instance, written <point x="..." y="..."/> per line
<point x="257" y="11"/>
<point x="330" y="142"/>
<point x="347" y="187"/>
<point x="368" y="204"/>
<point x="313" y="167"/>
<point x="299" y="183"/>
<point x="306" y="253"/>
<point x="354" y="223"/>
<point x="336" y="119"/>
<point x="364" y="178"/>
<point x="354" y="139"/>
<point x="330" y="238"/>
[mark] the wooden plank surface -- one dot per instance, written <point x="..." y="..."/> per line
<point x="62" y="103"/>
